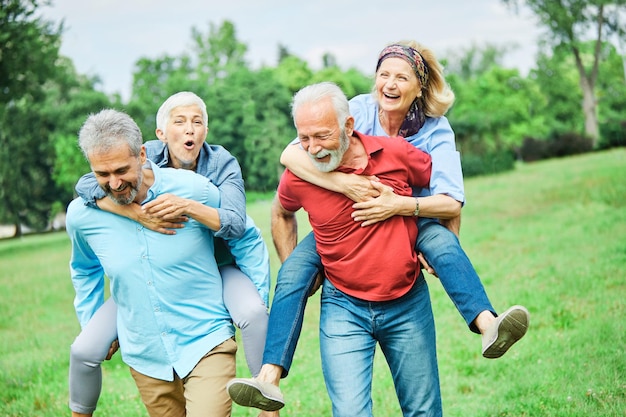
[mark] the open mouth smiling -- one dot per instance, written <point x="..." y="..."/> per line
<point x="119" y="190"/>
<point x="391" y="96"/>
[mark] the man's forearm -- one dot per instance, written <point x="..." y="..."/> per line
<point x="284" y="230"/>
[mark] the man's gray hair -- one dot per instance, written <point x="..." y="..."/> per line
<point x="320" y="91"/>
<point x="107" y="130"/>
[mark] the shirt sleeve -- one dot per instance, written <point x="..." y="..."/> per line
<point x="252" y="258"/>
<point x="363" y="109"/>
<point x="285" y="192"/>
<point x="447" y="174"/>
<point x="87" y="187"/>
<point x="85" y="270"/>
<point x="420" y="166"/>
<point x="232" y="210"/>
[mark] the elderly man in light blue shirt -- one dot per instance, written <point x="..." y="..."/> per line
<point x="174" y="330"/>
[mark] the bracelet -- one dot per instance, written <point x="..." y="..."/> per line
<point x="417" y="208"/>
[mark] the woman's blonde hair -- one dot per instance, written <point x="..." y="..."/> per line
<point x="438" y="97"/>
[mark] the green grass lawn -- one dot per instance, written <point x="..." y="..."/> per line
<point x="550" y="235"/>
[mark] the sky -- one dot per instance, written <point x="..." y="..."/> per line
<point x="106" y="37"/>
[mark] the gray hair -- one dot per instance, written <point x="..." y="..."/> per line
<point x="320" y="91"/>
<point x="181" y="99"/>
<point x="106" y="130"/>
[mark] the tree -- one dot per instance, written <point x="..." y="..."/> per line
<point x="557" y="79"/>
<point x="66" y="106"/>
<point x="475" y="60"/>
<point x="612" y="96"/>
<point x="352" y="82"/>
<point x="495" y="110"/>
<point x="218" y="52"/>
<point x="248" y="110"/>
<point x="154" y="80"/>
<point x="569" y="23"/>
<point x="293" y="72"/>
<point x="29" y="49"/>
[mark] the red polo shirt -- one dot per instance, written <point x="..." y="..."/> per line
<point x="377" y="262"/>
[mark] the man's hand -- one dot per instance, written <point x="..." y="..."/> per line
<point x="377" y="209"/>
<point x="359" y="188"/>
<point x="114" y="347"/>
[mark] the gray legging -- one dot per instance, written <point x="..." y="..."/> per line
<point x="247" y="309"/>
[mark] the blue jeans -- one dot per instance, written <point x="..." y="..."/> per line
<point x="442" y="250"/>
<point x="297" y="276"/>
<point x="404" y="328"/>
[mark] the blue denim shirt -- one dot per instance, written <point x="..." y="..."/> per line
<point x="243" y="239"/>
<point x="436" y="138"/>
<point x="167" y="290"/>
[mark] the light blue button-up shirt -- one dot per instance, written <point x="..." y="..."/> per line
<point x="436" y="138"/>
<point x="221" y="167"/>
<point x="167" y="288"/>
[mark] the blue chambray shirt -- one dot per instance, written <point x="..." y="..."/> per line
<point x="243" y="238"/>
<point x="436" y="138"/>
<point x="167" y="290"/>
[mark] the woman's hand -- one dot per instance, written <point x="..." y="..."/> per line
<point x="163" y="214"/>
<point x="426" y="265"/>
<point x="168" y="207"/>
<point x="376" y="209"/>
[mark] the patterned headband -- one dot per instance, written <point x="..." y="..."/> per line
<point x="410" y="55"/>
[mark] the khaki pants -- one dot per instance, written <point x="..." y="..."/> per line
<point x="202" y="393"/>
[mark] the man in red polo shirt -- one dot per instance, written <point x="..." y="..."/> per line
<point x="374" y="290"/>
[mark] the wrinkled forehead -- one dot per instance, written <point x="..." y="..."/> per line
<point x="188" y="112"/>
<point x="320" y="112"/>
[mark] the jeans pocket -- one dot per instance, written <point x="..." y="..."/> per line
<point x="329" y="290"/>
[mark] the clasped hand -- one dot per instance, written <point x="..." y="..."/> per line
<point x="164" y="214"/>
<point x="376" y="202"/>
<point x="378" y="208"/>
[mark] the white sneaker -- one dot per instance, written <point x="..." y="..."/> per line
<point x="250" y="392"/>
<point x="508" y="328"/>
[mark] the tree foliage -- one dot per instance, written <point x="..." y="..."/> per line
<point x="28" y="53"/>
<point x="29" y="47"/>
<point x="67" y="104"/>
<point x="494" y="110"/>
<point x="470" y="62"/>
<point x="43" y="101"/>
<point x="248" y="109"/>
<point x="570" y="23"/>
<point x="557" y="79"/>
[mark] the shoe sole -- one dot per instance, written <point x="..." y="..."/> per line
<point x="512" y="328"/>
<point x="249" y="395"/>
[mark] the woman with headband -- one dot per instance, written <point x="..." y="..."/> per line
<point x="410" y="99"/>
